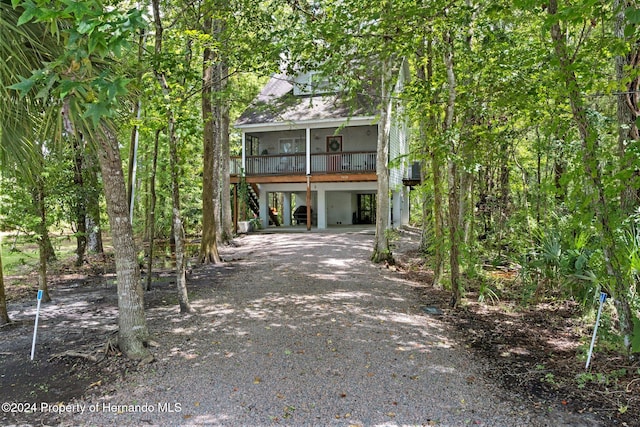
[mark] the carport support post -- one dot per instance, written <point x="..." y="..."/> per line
<point x="308" y="202"/>
<point x="286" y="209"/>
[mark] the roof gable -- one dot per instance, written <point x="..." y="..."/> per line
<point x="277" y="104"/>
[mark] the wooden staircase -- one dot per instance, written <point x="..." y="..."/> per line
<point x="254" y="204"/>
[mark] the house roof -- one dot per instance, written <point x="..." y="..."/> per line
<point x="276" y="104"/>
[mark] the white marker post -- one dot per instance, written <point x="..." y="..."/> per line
<point x="603" y="298"/>
<point x="35" y="328"/>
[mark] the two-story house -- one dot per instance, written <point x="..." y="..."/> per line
<point x="317" y="152"/>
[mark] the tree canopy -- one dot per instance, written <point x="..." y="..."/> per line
<point x="524" y="118"/>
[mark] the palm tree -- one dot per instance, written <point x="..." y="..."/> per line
<point x="27" y="49"/>
<point x="22" y="50"/>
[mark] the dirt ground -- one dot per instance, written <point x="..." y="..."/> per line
<point x="531" y="352"/>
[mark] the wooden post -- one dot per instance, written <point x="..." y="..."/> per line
<point x="308" y="202"/>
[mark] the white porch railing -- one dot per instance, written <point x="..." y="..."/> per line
<point x="295" y="164"/>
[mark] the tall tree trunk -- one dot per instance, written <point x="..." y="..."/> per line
<point x="227" y="214"/>
<point x="216" y="117"/>
<point x="438" y="216"/>
<point x="177" y="226"/>
<point x="80" y="199"/>
<point x="152" y="209"/>
<point x="133" y="154"/>
<point x="423" y="76"/>
<point x="226" y="218"/>
<point x="4" y="315"/>
<point x="465" y="191"/>
<point x="628" y="109"/>
<point x="43" y="239"/>
<point x="217" y="154"/>
<point x="132" y="325"/>
<point x="381" y="248"/>
<point x="80" y="203"/>
<point x="435" y="154"/>
<point x="453" y="179"/>
<point x="93" y="224"/>
<point x="600" y="204"/>
<point x="432" y="152"/>
<point x="208" y="245"/>
<point x="135" y="134"/>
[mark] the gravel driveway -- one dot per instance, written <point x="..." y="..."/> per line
<point x="301" y="329"/>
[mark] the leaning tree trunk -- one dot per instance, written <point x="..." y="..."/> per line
<point x="593" y="172"/>
<point x="381" y="248"/>
<point x="177" y="226"/>
<point x="132" y="325"/>
<point x="208" y="245"/>
<point x="4" y="315"/>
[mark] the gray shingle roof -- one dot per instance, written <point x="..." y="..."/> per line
<point x="277" y="104"/>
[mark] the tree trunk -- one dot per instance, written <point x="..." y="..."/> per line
<point x="225" y="177"/>
<point x="381" y="248"/>
<point x="80" y="200"/>
<point x="432" y="152"/>
<point x="600" y="204"/>
<point x="80" y="203"/>
<point x="132" y="326"/>
<point x="4" y="315"/>
<point x="438" y="216"/>
<point x="152" y="209"/>
<point x="43" y="239"/>
<point x="222" y="202"/>
<point x="628" y="110"/>
<point x="217" y="153"/>
<point x="423" y="75"/>
<point x="465" y="191"/>
<point x="93" y="226"/>
<point x="453" y="180"/>
<point x="208" y="244"/>
<point x="177" y="226"/>
<point x="454" y="233"/>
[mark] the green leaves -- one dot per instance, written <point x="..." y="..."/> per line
<point x="92" y="35"/>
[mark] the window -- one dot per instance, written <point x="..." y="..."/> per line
<point x="292" y="145"/>
<point x="252" y="145"/>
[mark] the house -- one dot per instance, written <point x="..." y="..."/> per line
<point x="311" y="155"/>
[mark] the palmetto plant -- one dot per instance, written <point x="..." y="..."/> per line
<point x="561" y="262"/>
<point x="23" y="49"/>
